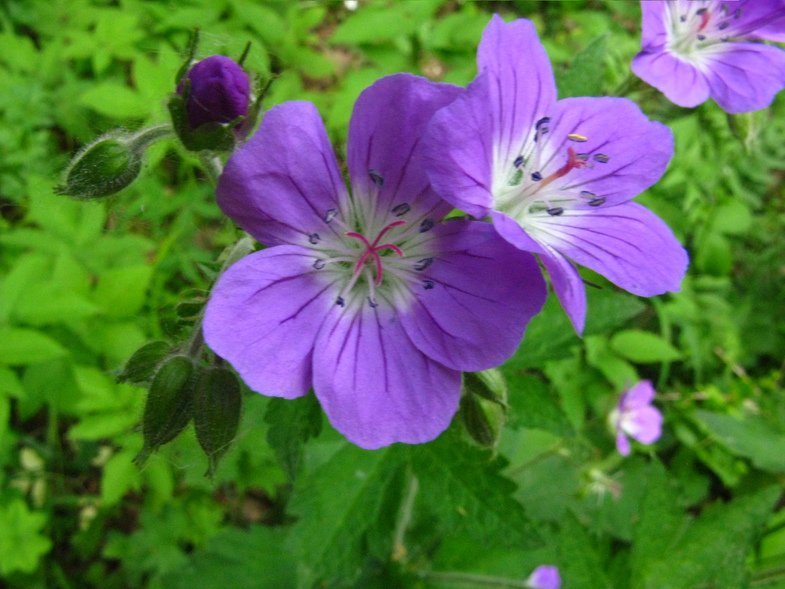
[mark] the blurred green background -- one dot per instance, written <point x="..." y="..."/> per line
<point x="84" y="284"/>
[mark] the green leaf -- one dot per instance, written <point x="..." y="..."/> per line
<point x="27" y="271"/>
<point x="121" y="291"/>
<point x="292" y="423"/>
<point x="337" y="506"/>
<point x="618" y="371"/>
<point x="668" y="553"/>
<point x="643" y="347"/>
<point x="585" y="75"/>
<point x="25" y="346"/>
<point x="534" y="405"/>
<point x="580" y="564"/>
<point x="238" y="559"/>
<point x="464" y="487"/>
<point x="120" y="476"/>
<point x="750" y="437"/>
<point x="115" y="100"/>
<point x="21" y="543"/>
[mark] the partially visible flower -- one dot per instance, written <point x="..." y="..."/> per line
<point x="556" y="177"/>
<point x="544" y="577"/>
<point x="366" y="297"/>
<point x="693" y="50"/>
<point x="635" y="416"/>
<point x="219" y="91"/>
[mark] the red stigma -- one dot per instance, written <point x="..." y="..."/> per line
<point x="373" y="249"/>
<point x="572" y="162"/>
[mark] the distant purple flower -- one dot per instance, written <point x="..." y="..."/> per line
<point x="696" y="49"/>
<point x="544" y="577"/>
<point x="635" y="416"/>
<point x="367" y="297"/>
<point x="219" y="91"/>
<point x="556" y="177"/>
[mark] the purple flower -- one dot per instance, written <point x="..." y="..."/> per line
<point x="544" y="577"/>
<point x="693" y="50"/>
<point x="635" y="416"/>
<point x="556" y="177"/>
<point x="368" y="297"/>
<point x="219" y="91"/>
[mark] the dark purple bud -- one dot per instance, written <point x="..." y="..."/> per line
<point x="219" y="91"/>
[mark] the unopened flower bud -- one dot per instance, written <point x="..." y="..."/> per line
<point x="102" y="168"/>
<point x="141" y="366"/>
<point x="217" y="408"/>
<point x="110" y="163"/>
<point x="211" y="107"/>
<point x="169" y="404"/>
<point x="483" y="406"/>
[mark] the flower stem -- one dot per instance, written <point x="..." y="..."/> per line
<point x="472" y="580"/>
<point x="405" y="515"/>
<point x="141" y="140"/>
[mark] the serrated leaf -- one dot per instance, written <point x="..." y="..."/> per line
<point x="579" y="562"/>
<point x="586" y="72"/>
<point x="534" y="405"/>
<point x="750" y="437"/>
<point x="711" y="552"/>
<point x="337" y="506"/>
<point x="115" y="100"/>
<point x="238" y="559"/>
<point x="463" y="486"/>
<point x="292" y="423"/>
<point x="26" y="346"/>
<point x="643" y="347"/>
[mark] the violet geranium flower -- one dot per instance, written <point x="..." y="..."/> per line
<point x="544" y="577"/>
<point x="556" y="177"/>
<point x="692" y="50"/>
<point x="368" y="297"/>
<point x="635" y="416"/>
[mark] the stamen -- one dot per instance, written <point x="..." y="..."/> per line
<point x="372" y="303"/>
<point x="536" y="176"/>
<point x="518" y="161"/>
<point x="313" y="238"/>
<point x="340" y="302"/>
<point x="724" y="10"/>
<point x="401" y="209"/>
<point x="330" y="215"/>
<point x="555" y="211"/>
<point x="701" y="11"/>
<point x="583" y="157"/>
<point x="601" y="157"/>
<point x="595" y="202"/>
<point x="587" y="195"/>
<point x="426" y="225"/>
<point x="701" y="37"/>
<point x="737" y="14"/>
<point x="423" y="264"/>
<point x="428" y="284"/>
<point x="319" y="264"/>
<point x="683" y="18"/>
<point x="723" y="25"/>
<point x="377" y="178"/>
<point x="576" y="137"/>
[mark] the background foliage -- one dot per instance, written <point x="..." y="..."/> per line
<point x="83" y="285"/>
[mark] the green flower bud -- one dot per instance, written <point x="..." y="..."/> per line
<point x="109" y="164"/>
<point x="483" y="406"/>
<point x="217" y="408"/>
<point x="102" y="168"/>
<point x="141" y="366"/>
<point x="169" y="404"/>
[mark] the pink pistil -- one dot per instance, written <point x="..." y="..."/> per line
<point x="572" y="162"/>
<point x="373" y="249"/>
<point x="705" y="16"/>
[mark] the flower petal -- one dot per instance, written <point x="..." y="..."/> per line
<point x="281" y="183"/>
<point x="376" y="387"/>
<point x="511" y="230"/>
<point x="747" y="77"/>
<point x="544" y="577"/>
<point x="626" y="243"/>
<point x="640" y="395"/>
<point x="522" y="88"/>
<point x="681" y="82"/>
<point x="638" y="149"/>
<point x="643" y="424"/>
<point x="485" y="292"/>
<point x="622" y="444"/>
<point x="263" y="317"/>
<point x="458" y="150"/>
<point x="568" y="286"/>
<point x="385" y="135"/>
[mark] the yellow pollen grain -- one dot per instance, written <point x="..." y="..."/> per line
<point x="576" y="137"/>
